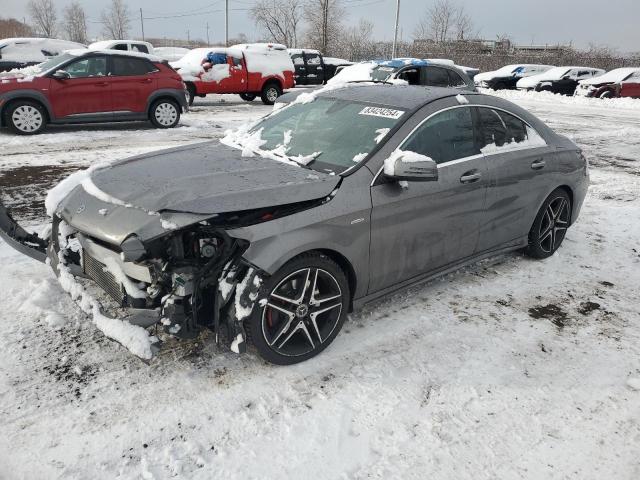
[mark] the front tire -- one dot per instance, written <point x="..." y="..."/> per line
<point x="550" y="226"/>
<point x="270" y="93"/>
<point x="606" y="94"/>
<point x="301" y="311"/>
<point x="165" y="113"/>
<point x="25" y="117"/>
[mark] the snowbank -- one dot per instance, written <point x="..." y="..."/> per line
<point x="556" y="98"/>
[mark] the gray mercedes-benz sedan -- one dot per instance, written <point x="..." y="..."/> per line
<point x="345" y="195"/>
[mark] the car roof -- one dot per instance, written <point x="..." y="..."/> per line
<point x="119" y="53"/>
<point x="408" y="97"/>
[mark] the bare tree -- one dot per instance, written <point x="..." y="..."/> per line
<point x="75" y="23"/>
<point x="355" y="42"/>
<point x="443" y="21"/>
<point x="116" y="20"/>
<point x="10" y="27"/>
<point x="43" y="14"/>
<point x="323" y="18"/>
<point x="279" y="19"/>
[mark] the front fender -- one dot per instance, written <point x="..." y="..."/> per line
<point x="28" y="94"/>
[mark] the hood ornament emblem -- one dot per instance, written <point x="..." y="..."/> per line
<point x="81" y="208"/>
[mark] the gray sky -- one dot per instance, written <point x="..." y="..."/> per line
<point x="528" y="21"/>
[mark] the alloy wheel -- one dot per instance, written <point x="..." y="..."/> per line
<point x="27" y="118"/>
<point x="554" y="224"/>
<point x="166" y="114"/>
<point x="302" y="312"/>
<point x="272" y="94"/>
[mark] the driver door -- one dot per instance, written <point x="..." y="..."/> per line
<point x="426" y="226"/>
<point x="87" y="93"/>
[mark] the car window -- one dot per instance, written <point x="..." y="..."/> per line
<point x="493" y="130"/>
<point x="319" y="134"/>
<point x="139" y="48"/>
<point x="437" y="77"/>
<point x="455" y="80"/>
<point x="124" y="66"/>
<point x="504" y="131"/>
<point x="87" y="67"/>
<point x="120" y="46"/>
<point x="313" y="59"/>
<point x="447" y="136"/>
<point x="410" y="75"/>
<point x="237" y="62"/>
<point x="297" y="59"/>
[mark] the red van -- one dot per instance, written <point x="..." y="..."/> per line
<point x="248" y="69"/>
<point x="83" y="86"/>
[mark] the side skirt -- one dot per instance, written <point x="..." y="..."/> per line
<point x="358" y="303"/>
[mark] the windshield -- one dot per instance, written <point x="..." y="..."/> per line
<point x="327" y="135"/>
<point x="382" y="73"/>
<point x="55" y="62"/>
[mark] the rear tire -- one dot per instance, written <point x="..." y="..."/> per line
<point x="500" y="86"/>
<point x="25" y="117"/>
<point x="306" y="305"/>
<point x="550" y="226"/>
<point x="270" y="93"/>
<point x="606" y="94"/>
<point x="191" y="89"/>
<point x="164" y="113"/>
<point x="248" y="97"/>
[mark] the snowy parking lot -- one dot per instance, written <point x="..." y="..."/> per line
<point x="509" y="369"/>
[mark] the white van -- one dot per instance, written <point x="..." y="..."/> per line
<point x="124" y="45"/>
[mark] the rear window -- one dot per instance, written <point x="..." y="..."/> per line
<point x="123" y="66"/>
<point x="456" y="80"/>
<point x="139" y="48"/>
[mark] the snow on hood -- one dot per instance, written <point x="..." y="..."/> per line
<point x="555" y="73"/>
<point x="614" y="76"/>
<point x="30" y="50"/>
<point x="521" y="70"/>
<point x="359" y="72"/>
<point x="208" y="178"/>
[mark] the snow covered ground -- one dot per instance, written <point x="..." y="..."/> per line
<point x="509" y="369"/>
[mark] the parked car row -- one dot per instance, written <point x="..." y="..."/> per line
<point x="566" y="80"/>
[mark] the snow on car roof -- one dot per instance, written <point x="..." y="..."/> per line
<point x="106" y="44"/>
<point x="121" y="53"/>
<point x="406" y="97"/>
<point x="617" y="75"/>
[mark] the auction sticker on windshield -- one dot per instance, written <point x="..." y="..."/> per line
<point x="381" y="112"/>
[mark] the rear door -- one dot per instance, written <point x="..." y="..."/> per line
<point x="435" y="76"/>
<point x="133" y="80"/>
<point x="516" y="158"/>
<point x="429" y="225"/>
<point x="315" y="68"/>
<point x="631" y="86"/>
<point x="300" y="68"/>
<point x="86" y="93"/>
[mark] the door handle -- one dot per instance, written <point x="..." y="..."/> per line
<point x="470" y="176"/>
<point x="538" y="164"/>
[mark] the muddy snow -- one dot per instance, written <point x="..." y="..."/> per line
<point x="511" y="368"/>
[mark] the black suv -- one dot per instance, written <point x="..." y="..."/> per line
<point x="311" y="68"/>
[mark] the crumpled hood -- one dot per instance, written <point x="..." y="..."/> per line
<point x="152" y="194"/>
<point x="209" y="178"/>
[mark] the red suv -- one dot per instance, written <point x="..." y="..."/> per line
<point x="83" y="86"/>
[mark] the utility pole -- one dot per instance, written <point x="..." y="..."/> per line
<point x="208" y="43"/>
<point x="395" y="31"/>
<point x="142" y="24"/>
<point x="325" y="29"/>
<point x="188" y="38"/>
<point x="226" y="23"/>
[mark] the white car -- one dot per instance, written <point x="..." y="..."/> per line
<point x="171" y="54"/>
<point x="507" y="76"/>
<point x="124" y="45"/>
<point x="562" y="80"/>
<point x="23" y="52"/>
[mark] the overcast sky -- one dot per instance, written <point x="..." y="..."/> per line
<point x="613" y="23"/>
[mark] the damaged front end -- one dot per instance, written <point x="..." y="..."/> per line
<point x="180" y="282"/>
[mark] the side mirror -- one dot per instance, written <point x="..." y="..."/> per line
<point x="61" y="75"/>
<point x="410" y="166"/>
